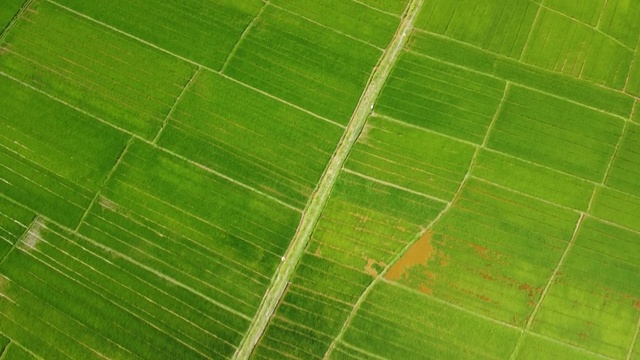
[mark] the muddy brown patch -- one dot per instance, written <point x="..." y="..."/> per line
<point x="418" y="254"/>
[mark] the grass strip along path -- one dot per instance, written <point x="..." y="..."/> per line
<point x="312" y="214"/>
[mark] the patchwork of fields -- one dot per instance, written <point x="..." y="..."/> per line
<point x="335" y="179"/>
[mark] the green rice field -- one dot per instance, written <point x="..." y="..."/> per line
<point x="320" y="179"/>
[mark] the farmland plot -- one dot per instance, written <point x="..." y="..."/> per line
<point x="625" y="168"/>
<point x="617" y="206"/>
<point x="561" y="44"/>
<point x="533" y="179"/>
<point x="537" y="348"/>
<point x="14" y="221"/>
<point x="351" y="18"/>
<point x="251" y="137"/>
<point x="440" y="97"/>
<point x="16" y="352"/>
<point x="594" y="303"/>
<point x="408" y="157"/>
<point x="501" y="27"/>
<point x="304" y="63"/>
<point x="559" y="134"/>
<point x="52" y="158"/>
<point x="394" y="322"/>
<point x="91" y="67"/>
<point x="587" y="11"/>
<point x="477" y="59"/>
<point x="201" y="31"/>
<point x="619" y="19"/>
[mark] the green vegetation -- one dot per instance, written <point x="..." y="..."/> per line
<point x="409" y="157"/>
<point x="245" y="141"/>
<point x="441" y="97"/>
<point x="594" y="303"/>
<point x="336" y="179"/>
<point x="536" y="348"/>
<point x="556" y="133"/>
<point x="104" y="73"/>
<point x="533" y="179"/>
<point x="8" y="11"/>
<point x="14" y="221"/>
<point x="202" y="31"/>
<point x="396" y="323"/>
<point x="50" y="165"/>
<point x="331" y="69"/>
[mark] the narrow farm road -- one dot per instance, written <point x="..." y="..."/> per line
<point x="314" y="210"/>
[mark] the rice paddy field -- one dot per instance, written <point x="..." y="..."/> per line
<point x="320" y="179"/>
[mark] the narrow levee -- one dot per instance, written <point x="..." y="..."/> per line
<point x="314" y="209"/>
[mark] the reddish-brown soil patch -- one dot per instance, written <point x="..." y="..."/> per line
<point x="418" y="254"/>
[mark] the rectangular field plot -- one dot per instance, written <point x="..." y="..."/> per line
<point x="91" y="67"/>
<point x="440" y="97"/>
<point x="349" y="17"/>
<point x="88" y="301"/>
<point x="472" y="58"/>
<point x="492" y="252"/>
<point x="625" y="169"/>
<point x="586" y="11"/>
<point x="251" y="137"/>
<point x="594" y="302"/>
<point x="201" y="31"/>
<point x="564" y="45"/>
<point x="304" y="63"/>
<point x="221" y="240"/>
<point x="411" y="158"/>
<point x="536" y="348"/>
<point x="556" y="133"/>
<point x="396" y="323"/>
<point x="620" y="20"/>
<point x="16" y="352"/>
<point x="618" y="207"/>
<point x="501" y="27"/>
<point x="363" y="227"/>
<point x="532" y="179"/>
<point x="53" y="159"/>
<point x="14" y="222"/>
<point x="565" y="86"/>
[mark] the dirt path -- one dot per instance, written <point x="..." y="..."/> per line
<point x="312" y="214"/>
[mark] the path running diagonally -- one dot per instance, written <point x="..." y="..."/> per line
<point x="318" y="200"/>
